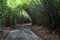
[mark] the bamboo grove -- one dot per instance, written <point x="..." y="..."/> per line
<point x="40" y="12"/>
<point x="45" y="13"/>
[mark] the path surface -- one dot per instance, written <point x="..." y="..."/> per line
<point x="22" y="33"/>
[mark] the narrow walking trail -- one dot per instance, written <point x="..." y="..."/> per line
<point x="22" y="33"/>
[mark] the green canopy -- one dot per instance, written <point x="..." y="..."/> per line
<point x="15" y="3"/>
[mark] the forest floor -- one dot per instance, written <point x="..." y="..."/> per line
<point x="38" y="30"/>
<point x="45" y="33"/>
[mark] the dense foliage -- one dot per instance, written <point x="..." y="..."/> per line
<point x="42" y="12"/>
<point x="11" y="15"/>
<point x="45" y="12"/>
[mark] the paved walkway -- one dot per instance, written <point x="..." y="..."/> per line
<point x="22" y="33"/>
